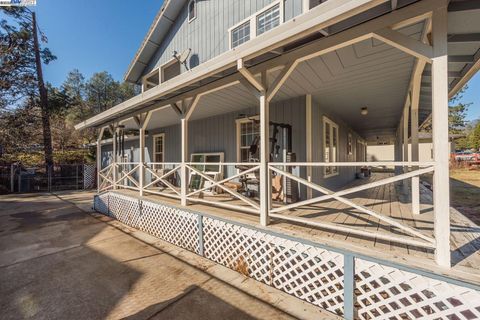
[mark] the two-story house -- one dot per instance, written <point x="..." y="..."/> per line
<point x="252" y="126"/>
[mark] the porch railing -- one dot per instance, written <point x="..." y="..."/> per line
<point x="417" y="169"/>
<point x="350" y="284"/>
<point x="229" y="192"/>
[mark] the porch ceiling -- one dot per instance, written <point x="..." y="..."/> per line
<point x="368" y="73"/>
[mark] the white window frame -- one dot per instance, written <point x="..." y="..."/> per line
<point x="155" y="151"/>
<point x="238" y="123"/>
<point x="190" y="19"/>
<point x="233" y="28"/>
<point x="253" y="22"/>
<point x="149" y="75"/>
<point x="337" y="154"/>
<point x="350" y="144"/>
<point x="166" y="65"/>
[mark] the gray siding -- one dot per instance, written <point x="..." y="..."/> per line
<point x="207" y="35"/>
<point x="346" y="174"/>
<point x="218" y="134"/>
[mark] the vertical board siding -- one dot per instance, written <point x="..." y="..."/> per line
<point x="218" y="134"/>
<point x="207" y="35"/>
<point x="346" y="174"/>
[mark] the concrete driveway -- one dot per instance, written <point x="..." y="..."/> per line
<point x="58" y="262"/>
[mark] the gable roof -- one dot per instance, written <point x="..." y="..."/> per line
<point x="164" y="19"/>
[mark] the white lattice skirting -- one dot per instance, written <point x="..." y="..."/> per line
<point x="305" y="270"/>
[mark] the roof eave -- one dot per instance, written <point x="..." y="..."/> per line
<point x="167" y="14"/>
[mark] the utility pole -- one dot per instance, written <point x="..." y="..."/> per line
<point x="47" y="134"/>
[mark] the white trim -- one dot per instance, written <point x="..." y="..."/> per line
<point x="238" y="123"/>
<point x="309" y="141"/>
<point x="317" y="18"/>
<point x="332" y="124"/>
<point x="253" y="22"/>
<point x="149" y="75"/>
<point x="194" y="11"/>
<point x="350" y="144"/>
<point x="154" y="137"/>
<point x="167" y="64"/>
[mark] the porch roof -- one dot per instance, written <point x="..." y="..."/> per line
<point x="367" y="73"/>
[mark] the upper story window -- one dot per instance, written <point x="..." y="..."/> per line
<point x="151" y="80"/>
<point x="260" y="22"/>
<point x="192" y="10"/>
<point x="268" y="19"/>
<point x="240" y="34"/>
<point x="170" y="70"/>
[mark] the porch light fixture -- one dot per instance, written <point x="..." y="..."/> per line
<point x="364" y="111"/>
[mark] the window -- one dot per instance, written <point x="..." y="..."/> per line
<point x="350" y="144"/>
<point x="240" y="34"/>
<point x="268" y="19"/>
<point x="260" y="22"/>
<point x="248" y="134"/>
<point x="192" y="10"/>
<point x="330" y="145"/>
<point x="170" y="70"/>
<point x="209" y="165"/>
<point x="151" y="80"/>
<point x="159" y="149"/>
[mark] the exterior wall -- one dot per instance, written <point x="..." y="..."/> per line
<point x="346" y="174"/>
<point x="207" y="35"/>
<point x="218" y="134"/>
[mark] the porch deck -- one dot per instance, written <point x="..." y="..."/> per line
<point x="388" y="200"/>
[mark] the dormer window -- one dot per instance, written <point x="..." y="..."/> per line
<point x="192" y="10"/>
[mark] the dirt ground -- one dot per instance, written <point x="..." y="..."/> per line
<point x="59" y="262"/>
<point x="465" y="192"/>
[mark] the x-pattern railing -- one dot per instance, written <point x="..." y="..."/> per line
<point x="162" y="179"/>
<point x="428" y="242"/>
<point x="252" y="205"/>
<point x="126" y="171"/>
<point x="106" y="178"/>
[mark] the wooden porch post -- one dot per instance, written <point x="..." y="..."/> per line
<point x="99" y="157"/>
<point x="308" y="140"/>
<point x="114" y="158"/>
<point x="142" y="122"/>
<point x="398" y="149"/>
<point x="265" y="182"/>
<point x="183" y="169"/>
<point x="415" y="157"/>
<point x="441" y="196"/>
<point x="417" y="79"/>
<point x="141" y="178"/>
<point x="405" y="144"/>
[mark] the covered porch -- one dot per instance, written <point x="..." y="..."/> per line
<point x="376" y="81"/>
<point x="359" y="231"/>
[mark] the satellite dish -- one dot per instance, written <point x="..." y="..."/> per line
<point x="182" y="58"/>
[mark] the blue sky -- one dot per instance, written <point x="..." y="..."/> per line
<point x="97" y="35"/>
<point x="93" y="35"/>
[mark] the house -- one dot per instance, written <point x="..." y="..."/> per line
<point x="252" y="129"/>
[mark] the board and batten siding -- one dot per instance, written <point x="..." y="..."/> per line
<point x="346" y="174"/>
<point x="207" y="35"/>
<point x="218" y="134"/>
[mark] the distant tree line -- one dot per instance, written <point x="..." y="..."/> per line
<point x="38" y="116"/>
<point x="469" y="131"/>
